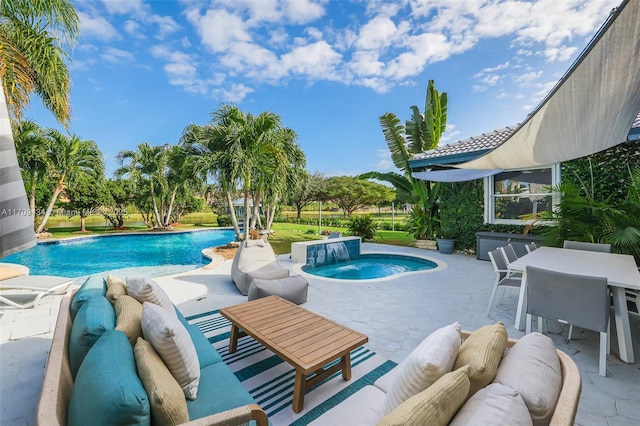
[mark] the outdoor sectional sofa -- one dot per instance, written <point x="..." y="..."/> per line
<point x="462" y="378"/>
<point x="117" y="396"/>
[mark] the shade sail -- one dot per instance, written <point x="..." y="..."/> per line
<point x="591" y="109"/>
<point x="16" y="222"/>
<point x="454" y="175"/>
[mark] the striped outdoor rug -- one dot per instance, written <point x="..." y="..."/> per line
<point x="270" y="380"/>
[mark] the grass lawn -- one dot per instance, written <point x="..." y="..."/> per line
<point x="285" y="233"/>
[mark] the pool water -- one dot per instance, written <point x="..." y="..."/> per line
<point x="371" y="266"/>
<point x="84" y="256"/>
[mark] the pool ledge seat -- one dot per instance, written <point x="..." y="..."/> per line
<point x="222" y="399"/>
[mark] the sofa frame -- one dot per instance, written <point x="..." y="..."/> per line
<point x="58" y="383"/>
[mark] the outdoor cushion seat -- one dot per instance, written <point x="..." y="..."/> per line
<point x="294" y="289"/>
<point x="255" y="259"/>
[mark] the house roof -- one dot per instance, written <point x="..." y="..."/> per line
<point x="473" y="147"/>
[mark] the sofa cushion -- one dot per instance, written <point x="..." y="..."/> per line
<point x="115" y="288"/>
<point x="429" y="361"/>
<point x="168" y="405"/>
<point x="532" y="368"/>
<point x="93" y="286"/>
<point x="483" y="350"/>
<point x="107" y="388"/>
<point x="365" y="406"/>
<point x="173" y="343"/>
<point x="207" y="354"/>
<point x="94" y="318"/>
<point x="435" y="405"/>
<point x="493" y="406"/>
<point x="384" y="382"/>
<point x="129" y="317"/>
<point x="220" y="390"/>
<point x="147" y="290"/>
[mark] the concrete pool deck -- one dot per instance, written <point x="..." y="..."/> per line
<point x="380" y="309"/>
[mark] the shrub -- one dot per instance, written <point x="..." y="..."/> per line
<point x="362" y="226"/>
<point x="224" y="220"/>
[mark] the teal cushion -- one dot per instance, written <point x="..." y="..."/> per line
<point x="219" y="390"/>
<point x="95" y="317"/>
<point x="107" y="390"/>
<point x="95" y="285"/>
<point x="207" y="354"/>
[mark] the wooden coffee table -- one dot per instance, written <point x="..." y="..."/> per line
<point x="305" y="340"/>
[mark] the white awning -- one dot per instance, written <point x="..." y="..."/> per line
<point x="591" y="109"/>
<point x="454" y="175"/>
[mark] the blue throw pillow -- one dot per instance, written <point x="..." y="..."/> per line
<point x="107" y="390"/>
<point x="95" y="285"/>
<point x="95" y="317"/>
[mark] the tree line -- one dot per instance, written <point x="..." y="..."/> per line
<point x="235" y="155"/>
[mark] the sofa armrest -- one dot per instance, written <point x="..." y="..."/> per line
<point x="235" y="416"/>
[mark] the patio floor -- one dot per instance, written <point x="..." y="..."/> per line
<point x="381" y="309"/>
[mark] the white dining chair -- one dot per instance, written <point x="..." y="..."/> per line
<point x="570" y="299"/>
<point x="504" y="278"/>
<point x="509" y="253"/>
<point x="531" y="247"/>
<point x="581" y="245"/>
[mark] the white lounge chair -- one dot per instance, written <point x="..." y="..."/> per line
<point x="26" y="291"/>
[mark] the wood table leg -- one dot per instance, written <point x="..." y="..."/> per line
<point x="346" y="366"/>
<point x="299" y="389"/>
<point x="233" y="338"/>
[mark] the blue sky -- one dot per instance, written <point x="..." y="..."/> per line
<point x="143" y="70"/>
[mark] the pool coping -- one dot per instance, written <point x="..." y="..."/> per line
<point x="441" y="266"/>
<point x="151" y="232"/>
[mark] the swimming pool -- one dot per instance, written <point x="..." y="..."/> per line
<point x="371" y="266"/>
<point x="83" y="256"/>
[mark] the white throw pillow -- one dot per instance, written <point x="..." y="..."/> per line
<point x="171" y="340"/>
<point x="430" y="360"/>
<point x="532" y="368"/>
<point x="493" y="406"/>
<point x="147" y="290"/>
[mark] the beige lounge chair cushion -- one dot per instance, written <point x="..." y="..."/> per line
<point x="483" y="350"/>
<point x="129" y="317"/>
<point x="494" y="405"/>
<point x="147" y="290"/>
<point x="115" y="288"/>
<point x="294" y="289"/>
<point x="172" y="342"/>
<point x="532" y="368"/>
<point x="7" y="272"/>
<point x="168" y="405"/>
<point x="429" y="361"/>
<point x="435" y="405"/>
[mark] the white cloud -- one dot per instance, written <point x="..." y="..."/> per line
<point x="527" y="78"/>
<point x="450" y="134"/>
<point x="380" y="32"/>
<point x="384" y="165"/>
<point x="302" y="11"/>
<point x="235" y="94"/>
<point x="219" y="29"/>
<point x="97" y="27"/>
<point x="116" y="56"/>
<point x="181" y="69"/>
<point x="317" y="60"/>
<point x="561" y="53"/>
<point x="123" y="7"/>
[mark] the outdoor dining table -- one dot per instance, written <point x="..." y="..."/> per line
<point x="620" y="270"/>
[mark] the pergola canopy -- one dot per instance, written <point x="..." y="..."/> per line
<point x="591" y="109"/>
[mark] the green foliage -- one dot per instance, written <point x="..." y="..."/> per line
<point x="224" y="220"/>
<point x="351" y="193"/>
<point x="363" y="226"/>
<point x="422" y="223"/>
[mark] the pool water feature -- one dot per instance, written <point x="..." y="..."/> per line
<point x="371" y="266"/>
<point x="88" y="255"/>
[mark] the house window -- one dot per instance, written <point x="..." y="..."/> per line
<point x="511" y="197"/>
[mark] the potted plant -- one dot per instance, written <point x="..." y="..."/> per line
<point x="446" y="240"/>
<point x="421" y="224"/>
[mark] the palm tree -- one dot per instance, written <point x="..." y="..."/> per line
<point x="147" y="165"/>
<point x="421" y="133"/>
<point x="32" y="146"/>
<point x="68" y="157"/>
<point x="32" y="58"/>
